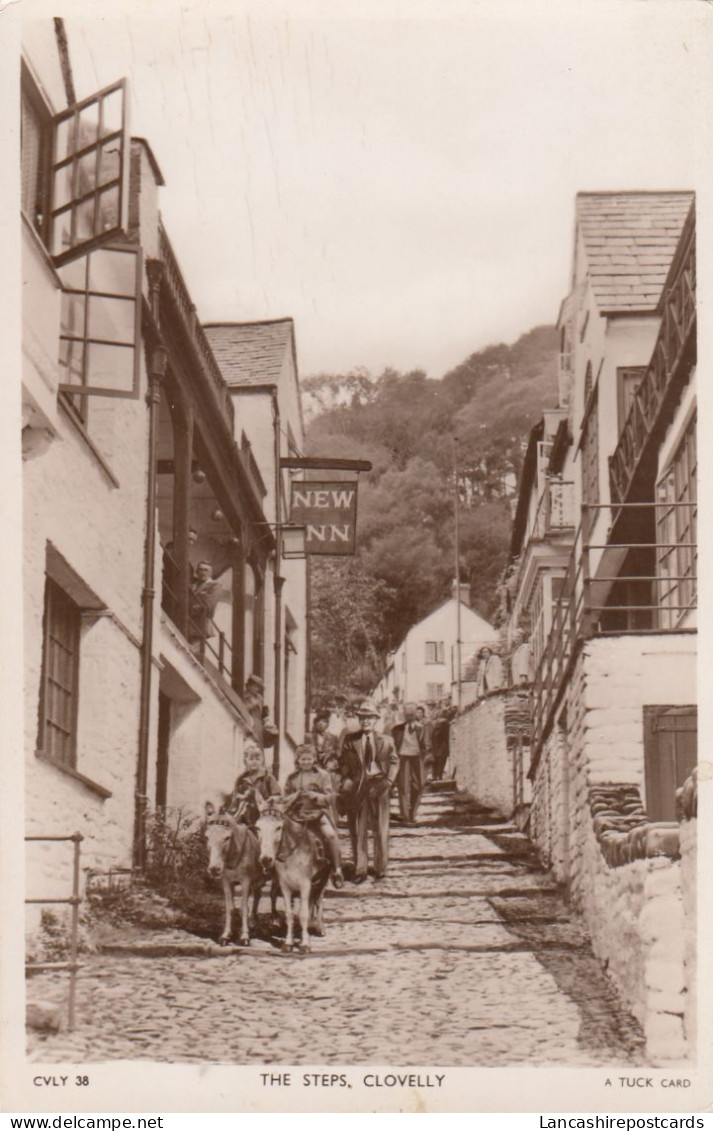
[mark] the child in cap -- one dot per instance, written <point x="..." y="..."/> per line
<point x="308" y="798"/>
<point x="255" y="779"/>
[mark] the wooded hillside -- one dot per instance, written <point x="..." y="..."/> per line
<point x="405" y="423"/>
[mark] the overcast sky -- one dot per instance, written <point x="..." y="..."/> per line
<point x="401" y="185"/>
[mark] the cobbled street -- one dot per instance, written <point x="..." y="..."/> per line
<point x="466" y="954"/>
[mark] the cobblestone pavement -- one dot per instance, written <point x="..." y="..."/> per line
<point x="466" y="954"/>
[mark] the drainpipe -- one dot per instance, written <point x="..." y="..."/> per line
<point x="157" y="365"/>
<point x="278" y="583"/>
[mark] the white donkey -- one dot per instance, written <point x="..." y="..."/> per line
<point x="300" y="864"/>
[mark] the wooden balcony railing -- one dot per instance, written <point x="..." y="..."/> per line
<point x="555" y="509"/>
<point x="676" y="336"/>
<point x="195" y="336"/>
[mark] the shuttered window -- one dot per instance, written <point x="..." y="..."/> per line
<point x="435" y="652"/>
<point x="670" y="751"/>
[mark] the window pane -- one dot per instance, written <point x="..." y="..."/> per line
<point x="84" y="220"/>
<point x="113" y="272"/>
<point x="74" y="274"/>
<point x="108" y="210"/>
<point x="86" y="173"/>
<point x="61" y="232"/>
<point x="88" y="124"/>
<point x="71" y="361"/>
<point x="66" y="135"/>
<point x="110" y="162"/>
<point x="63" y="185"/>
<point x="110" y="367"/>
<point x="72" y="315"/>
<point x="112" y="319"/>
<point x="112" y="112"/>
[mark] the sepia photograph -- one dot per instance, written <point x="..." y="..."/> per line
<point x="357" y="553"/>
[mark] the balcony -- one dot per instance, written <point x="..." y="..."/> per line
<point x="637" y="587"/>
<point x="203" y="360"/>
<point x="555" y="509"/>
<point x="632" y="466"/>
<point x="206" y="640"/>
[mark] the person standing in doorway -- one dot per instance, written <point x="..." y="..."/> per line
<point x="368" y="765"/>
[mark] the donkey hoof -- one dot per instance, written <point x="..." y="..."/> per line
<point x="304" y="948"/>
<point x="224" y="940"/>
<point x="245" y="941"/>
<point x="287" y="947"/>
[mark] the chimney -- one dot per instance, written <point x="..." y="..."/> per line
<point x="464" y="592"/>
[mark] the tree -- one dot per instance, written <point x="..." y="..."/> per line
<point x="404" y="423"/>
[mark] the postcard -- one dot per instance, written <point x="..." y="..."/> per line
<point x="351" y="557"/>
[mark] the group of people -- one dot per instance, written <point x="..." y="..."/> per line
<point x="349" y="775"/>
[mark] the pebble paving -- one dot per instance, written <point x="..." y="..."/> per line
<point x="465" y="954"/>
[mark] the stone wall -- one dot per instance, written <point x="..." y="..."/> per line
<point x="590" y="825"/>
<point x="480" y="757"/>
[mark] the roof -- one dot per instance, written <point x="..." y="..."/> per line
<point x="250" y="353"/>
<point x="629" y="241"/>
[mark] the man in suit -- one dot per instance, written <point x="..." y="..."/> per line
<point x="410" y="746"/>
<point x="368" y="765"/>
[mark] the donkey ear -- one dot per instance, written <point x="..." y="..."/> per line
<point x="209" y="808"/>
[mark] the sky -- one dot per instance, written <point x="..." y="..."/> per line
<point x="398" y="178"/>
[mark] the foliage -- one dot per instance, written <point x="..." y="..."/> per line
<point x="405" y="424"/>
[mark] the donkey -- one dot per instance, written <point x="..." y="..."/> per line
<point x="233" y="855"/>
<point x="304" y="871"/>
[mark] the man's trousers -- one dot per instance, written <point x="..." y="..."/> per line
<point x="371" y="811"/>
<point x="410" y="782"/>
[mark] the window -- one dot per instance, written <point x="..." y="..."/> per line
<point x="434" y="690"/>
<point x="75" y="168"/>
<point x="89" y="197"/>
<point x="670" y="752"/>
<point x="57" y="736"/>
<point x="435" y="652"/>
<point x="590" y="451"/>
<point x="627" y="386"/>
<point x="35" y="145"/>
<point x="100" y="326"/>
<point x="676" y="524"/>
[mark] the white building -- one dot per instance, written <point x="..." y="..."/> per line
<point x="258" y="361"/>
<point x="140" y="461"/>
<point x="425" y="667"/>
<point x="610" y="598"/>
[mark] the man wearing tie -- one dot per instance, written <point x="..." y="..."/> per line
<point x="368" y="764"/>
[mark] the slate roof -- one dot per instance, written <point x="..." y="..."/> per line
<point x="250" y="353"/>
<point x="629" y="240"/>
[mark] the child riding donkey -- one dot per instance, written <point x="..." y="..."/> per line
<point x="308" y="800"/>
<point x="256" y="779"/>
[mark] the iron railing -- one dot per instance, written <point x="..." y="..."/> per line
<point x="74" y="901"/>
<point x="597" y="600"/>
<point x="676" y="334"/>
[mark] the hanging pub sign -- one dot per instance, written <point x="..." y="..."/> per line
<point x="328" y="513"/>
